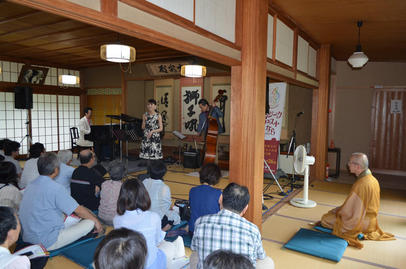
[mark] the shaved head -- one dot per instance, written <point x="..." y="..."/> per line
<point x="361" y="159"/>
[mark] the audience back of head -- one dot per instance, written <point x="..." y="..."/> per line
<point x="36" y="150"/>
<point x="235" y="197"/>
<point x="85" y="156"/>
<point x="47" y="164"/>
<point x="121" y="249"/>
<point x="210" y="174"/>
<point x="65" y="156"/>
<point x="3" y="143"/>
<point x="224" y="259"/>
<point x="133" y="195"/>
<point x="10" y="147"/>
<point x="157" y="169"/>
<point x="8" y="221"/>
<point x="117" y="171"/>
<point x="8" y="173"/>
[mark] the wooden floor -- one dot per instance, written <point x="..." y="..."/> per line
<point x="281" y="225"/>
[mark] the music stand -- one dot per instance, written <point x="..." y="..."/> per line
<point x="180" y="138"/>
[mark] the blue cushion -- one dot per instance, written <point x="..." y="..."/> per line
<point x="58" y="251"/>
<point x="318" y="244"/>
<point x="327" y="230"/>
<point x="83" y="254"/>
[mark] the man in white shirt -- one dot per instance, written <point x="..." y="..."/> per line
<point x="30" y="171"/>
<point x="84" y="128"/>
<point x="9" y="232"/>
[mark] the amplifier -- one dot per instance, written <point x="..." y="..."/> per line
<point x="191" y="159"/>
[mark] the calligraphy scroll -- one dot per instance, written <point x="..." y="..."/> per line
<point x="223" y="103"/>
<point x="273" y="124"/>
<point x="164" y="101"/>
<point x="190" y="96"/>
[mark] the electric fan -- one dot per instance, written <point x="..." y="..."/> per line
<point x="301" y="163"/>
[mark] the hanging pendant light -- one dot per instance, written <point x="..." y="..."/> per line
<point x="117" y="53"/>
<point x="193" y="71"/>
<point x="358" y="59"/>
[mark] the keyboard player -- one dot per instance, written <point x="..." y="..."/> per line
<point x="84" y="129"/>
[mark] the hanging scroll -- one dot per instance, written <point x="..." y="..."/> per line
<point x="190" y="96"/>
<point x="164" y="101"/>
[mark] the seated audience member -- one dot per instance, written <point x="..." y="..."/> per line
<point x="30" y="171"/>
<point x="9" y="231"/>
<point x="43" y="205"/>
<point x="228" y="230"/>
<point x="160" y="195"/>
<point x="10" y="195"/>
<point x="121" y="249"/>
<point x="223" y="259"/>
<point x="204" y="199"/>
<point x="65" y="171"/>
<point x="110" y="189"/>
<point x="86" y="182"/>
<point x="133" y="213"/>
<point x="11" y="149"/>
<point x="142" y="177"/>
<point x="2" y="145"/>
<point x="359" y="212"/>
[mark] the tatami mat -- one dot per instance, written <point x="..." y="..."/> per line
<point x="282" y="225"/>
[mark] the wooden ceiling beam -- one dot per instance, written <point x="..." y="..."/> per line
<point x="63" y="41"/>
<point x="57" y="32"/>
<point x="34" y="27"/>
<point x="20" y="17"/>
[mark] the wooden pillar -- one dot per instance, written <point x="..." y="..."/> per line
<point x="109" y="7"/>
<point x="248" y="83"/>
<point x="320" y="115"/>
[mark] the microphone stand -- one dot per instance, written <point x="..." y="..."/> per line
<point x="28" y="136"/>
<point x="292" y="146"/>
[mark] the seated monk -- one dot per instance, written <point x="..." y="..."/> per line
<point x="359" y="212"/>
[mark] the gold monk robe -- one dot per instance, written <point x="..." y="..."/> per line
<point x="359" y="213"/>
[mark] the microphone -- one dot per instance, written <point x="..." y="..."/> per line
<point x="299" y="114"/>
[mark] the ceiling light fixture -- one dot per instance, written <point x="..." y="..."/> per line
<point x="68" y="79"/>
<point x="193" y="71"/>
<point x="358" y="59"/>
<point x="117" y="53"/>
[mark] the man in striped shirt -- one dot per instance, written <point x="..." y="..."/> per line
<point x="228" y="230"/>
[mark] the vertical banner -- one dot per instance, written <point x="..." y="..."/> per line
<point x="273" y="124"/>
<point x="164" y="101"/>
<point x="190" y="96"/>
<point x="223" y="91"/>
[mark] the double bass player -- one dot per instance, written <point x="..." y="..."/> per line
<point x="209" y="116"/>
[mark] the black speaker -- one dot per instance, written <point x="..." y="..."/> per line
<point x="190" y="159"/>
<point x="23" y="97"/>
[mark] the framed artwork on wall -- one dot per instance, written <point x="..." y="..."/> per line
<point x="32" y="75"/>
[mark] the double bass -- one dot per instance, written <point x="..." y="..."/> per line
<point x="211" y="136"/>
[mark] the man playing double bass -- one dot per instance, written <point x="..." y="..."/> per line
<point x="215" y="113"/>
<point x="205" y="109"/>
